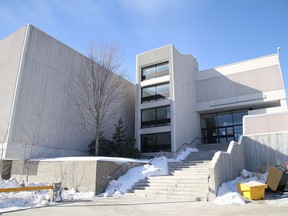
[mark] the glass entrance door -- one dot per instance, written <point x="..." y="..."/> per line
<point x="222" y="127"/>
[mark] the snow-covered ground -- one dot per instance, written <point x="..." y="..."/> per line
<point x="227" y="194"/>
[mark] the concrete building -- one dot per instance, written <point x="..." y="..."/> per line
<point x="35" y="71"/>
<point x="176" y="103"/>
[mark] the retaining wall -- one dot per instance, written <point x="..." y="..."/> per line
<point x="225" y="166"/>
<point x="85" y="175"/>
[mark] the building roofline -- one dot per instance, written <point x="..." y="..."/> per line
<point x="148" y="51"/>
<point x="239" y="62"/>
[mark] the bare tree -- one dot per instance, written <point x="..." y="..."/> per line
<point x="3" y="137"/>
<point x="95" y="89"/>
<point x="32" y="138"/>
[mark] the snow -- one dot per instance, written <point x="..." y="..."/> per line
<point x="227" y="193"/>
<point x="98" y="158"/>
<point x="158" y="167"/>
<point x="11" y="201"/>
<point x="124" y="183"/>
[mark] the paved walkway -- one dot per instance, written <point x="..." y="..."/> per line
<point x="126" y="206"/>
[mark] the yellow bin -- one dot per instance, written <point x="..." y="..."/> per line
<point x="252" y="190"/>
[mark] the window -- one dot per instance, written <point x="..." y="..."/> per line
<point x="222" y="127"/>
<point x="155" y="71"/>
<point x="156" y="142"/>
<point x="155" y="117"/>
<point x="156" y="92"/>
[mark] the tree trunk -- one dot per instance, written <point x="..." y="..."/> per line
<point x="97" y="143"/>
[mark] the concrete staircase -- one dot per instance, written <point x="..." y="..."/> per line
<point x="187" y="180"/>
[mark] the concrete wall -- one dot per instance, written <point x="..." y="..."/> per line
<point x="249" y="83"/>
<point x="185" y="124"/>
<point x="83" y="175"/>
<point x="225" y="166"/>
<point x="264" y="150"/>
<point x="11" y="52"/>
<point x="42" y="109"/>
<point x="265" y="140"/>
<point x="41" y="100"/>
<point x="267" y="123"/>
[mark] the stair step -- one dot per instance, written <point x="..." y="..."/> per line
<point x="189" y="170"/>
<point x="187" y="167"/>
<point x="173" y="184"/>
<point x="196" y="163"/>
<point x="172" y="189"/>
<point x="178" y="178"/>
<point x="187" y="180"/>
<point x="173" y="197"/>
<point x="171" y="193"/>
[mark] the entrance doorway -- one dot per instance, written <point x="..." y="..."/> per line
<point x="222" y="127"/>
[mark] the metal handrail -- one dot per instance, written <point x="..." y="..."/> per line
<point x="115" y="171"/>
<point x="189" y="144"/>
<point x="161" y="153"/>
<point x="149" y="162"/>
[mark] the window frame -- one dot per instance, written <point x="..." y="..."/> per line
<point x="156" y="72"/>
<point x="155" y="147"/>
<point x="156" y="122"/>
<point x="156" y="96"/>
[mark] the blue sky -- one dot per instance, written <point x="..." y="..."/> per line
<point x="218" y="32"/>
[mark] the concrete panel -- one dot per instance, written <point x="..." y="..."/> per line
<point x="42" y="106"/>
<point x="267" y="123"/>
<point x="182" y="115"/>
<point x="263" y="150"/>
<point x="225" y="166"/>
<point x="239" y="67"/>
<point x="80" y="175"/>
<point x="239" y="84"/>
<point x="10" y="56"/>
<point x="83" y="175"/>
<point x="154" y="56"/>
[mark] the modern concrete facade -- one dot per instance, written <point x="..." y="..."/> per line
<point x="175" y="102"/>
<point x="35" y="71"/>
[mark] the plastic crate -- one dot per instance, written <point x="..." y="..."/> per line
<point x="252" y="190"/>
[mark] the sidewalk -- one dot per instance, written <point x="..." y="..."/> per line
<point x="128" y="206"/>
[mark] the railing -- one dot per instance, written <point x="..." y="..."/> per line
<point x="160" y="153"/>
<point x="56" y="187"/>
<point x="2" y="190"/>
<point x="189" y="144"/>
<point x="118" y="169"/>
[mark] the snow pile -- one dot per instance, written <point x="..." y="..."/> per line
<point x="228" y="192"/>
<point x="11" y="183"/>
<point x="158" y="167"/>
<point x="185" y="153"/>
<point x="11" y="201"/>
<point x="70" y="195"/>
<point x="124" y="183"/>
<point x="24" y="199"/>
